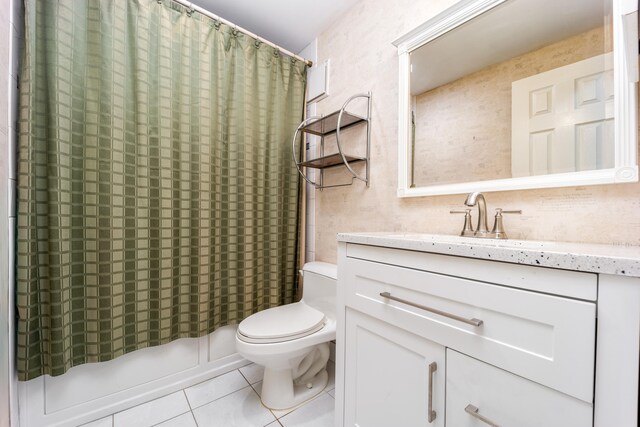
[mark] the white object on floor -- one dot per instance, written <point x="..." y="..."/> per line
<point x="291" y="341"/>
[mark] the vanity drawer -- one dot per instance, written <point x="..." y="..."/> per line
<point x="505" y="399"/>
<point x="548" y="339"/>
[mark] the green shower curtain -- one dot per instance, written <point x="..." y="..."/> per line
<point x="157" y="196"/>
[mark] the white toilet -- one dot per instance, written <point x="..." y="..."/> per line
<point x="292" y="341"/>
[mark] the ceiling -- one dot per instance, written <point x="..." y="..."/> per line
<point x="291" y="24"/>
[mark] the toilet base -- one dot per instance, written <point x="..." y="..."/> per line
<point x="279" y="392"/>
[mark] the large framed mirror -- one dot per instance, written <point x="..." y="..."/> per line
<point x="501" y="95"/>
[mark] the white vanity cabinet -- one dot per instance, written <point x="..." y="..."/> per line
<point x="513" y="345"/>
<point x="479" y="393"/>
<point x="383" y="362"/>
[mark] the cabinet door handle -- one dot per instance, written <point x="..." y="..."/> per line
<point x="433" y="367"/>
<point x="473" y="411"/>
<point x="473" y="322"/>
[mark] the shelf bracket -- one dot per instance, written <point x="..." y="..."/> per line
<point x="329" y="161"/>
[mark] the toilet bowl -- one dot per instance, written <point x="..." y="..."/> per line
<point x="292" y="341"/>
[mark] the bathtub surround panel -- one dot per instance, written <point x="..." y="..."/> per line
<point x="92" y="391"/>
<point x="93" y="379"/>
<point x="157" y="195"/>
<point x="214" y="399"/>
<point x="359" y="46"/>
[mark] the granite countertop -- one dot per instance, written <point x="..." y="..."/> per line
<point x="594" y="258"/>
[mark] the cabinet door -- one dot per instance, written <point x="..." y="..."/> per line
<point x="481" y="395"/>
<point x="388" y="376"/>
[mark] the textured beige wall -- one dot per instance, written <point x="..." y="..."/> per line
<point x="362" y="59"/>
<point x="463" y="129"/>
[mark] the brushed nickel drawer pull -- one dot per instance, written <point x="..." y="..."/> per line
<point x="473" y="411"/>
<point x="473" y="322"/>
<point x="433" y="366"/>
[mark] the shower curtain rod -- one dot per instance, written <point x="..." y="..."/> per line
<point x="249" y="33"/>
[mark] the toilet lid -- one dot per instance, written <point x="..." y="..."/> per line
<point x="282" y="323"/>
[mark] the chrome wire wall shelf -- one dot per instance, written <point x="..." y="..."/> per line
<point x="324" y="126"/>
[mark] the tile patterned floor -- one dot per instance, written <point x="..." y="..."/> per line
<point x="230" y="400"/>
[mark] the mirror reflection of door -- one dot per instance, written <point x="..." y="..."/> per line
<point x="562" y="119"/>
<point x="471" y="125"/>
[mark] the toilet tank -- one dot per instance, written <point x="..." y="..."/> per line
<point x="319" y="289"/>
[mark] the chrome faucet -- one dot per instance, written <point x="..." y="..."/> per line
<point x="478" y="198"/>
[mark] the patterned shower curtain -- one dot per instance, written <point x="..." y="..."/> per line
<point x="157" y="195"/>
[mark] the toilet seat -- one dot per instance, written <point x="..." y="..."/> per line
<point x="278" y="324"/>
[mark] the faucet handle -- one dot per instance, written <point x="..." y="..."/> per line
<point x="519" y="211"/>
<point x="467" y="229"/>
<point x="498" y="228"/>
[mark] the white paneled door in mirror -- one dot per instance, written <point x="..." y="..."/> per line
<point x="562" y="119"/>
<point x="504" y="95"/>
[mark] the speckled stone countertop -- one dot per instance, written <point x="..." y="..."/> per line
<point x="607" y="259"/>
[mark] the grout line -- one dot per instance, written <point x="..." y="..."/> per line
<point x="208" y="379"/>
<point x="279" y="423"/>
<point x="187" y="398"/>
<point x="195" y="421"/>
<point x="260" y="398"/>
<point x="202" y="382"/>
<point x="169" y="419"/>
<point x="262" y="404"/>
<point x="221" y="397"/>
<point x="245" y="378"/>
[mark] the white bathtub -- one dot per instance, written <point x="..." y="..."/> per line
<point x="92" y="391"/>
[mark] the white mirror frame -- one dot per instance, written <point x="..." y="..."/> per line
<point x="625" y="58"/>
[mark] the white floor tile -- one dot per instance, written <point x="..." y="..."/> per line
<point x="102" y="422"/>
<point x="258" y="388"/>
<point x="153" y="412"/>
<point x="281" y="413"/>
<point x="226" y="401"/>
<point x="239" y="409"/>
<point x="215" y="388"/>
<point x="317" y="413"/>
<point x="330" y="387"/>
<point x="184" y="420"/>
<point x="253" y="373"/>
